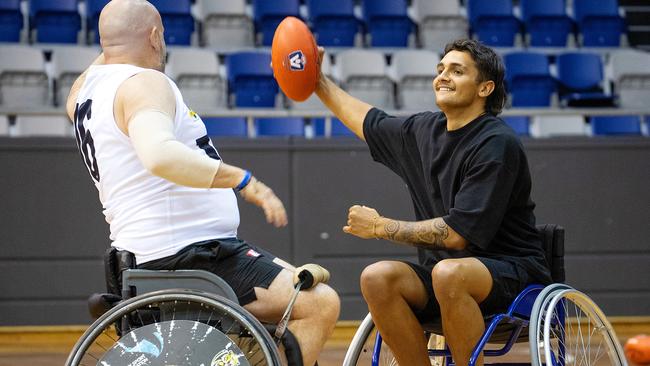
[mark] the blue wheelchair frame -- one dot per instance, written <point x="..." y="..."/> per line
<point x="518" y="314"/>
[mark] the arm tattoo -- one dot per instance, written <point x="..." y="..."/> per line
<point x="428" y="234"/>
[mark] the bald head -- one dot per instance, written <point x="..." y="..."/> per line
<point x="131" y="32"/>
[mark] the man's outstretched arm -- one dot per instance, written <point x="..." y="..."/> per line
<point x="144" y="110"/>
<point x="366" y="223"/>
<point x="350" y="110"/>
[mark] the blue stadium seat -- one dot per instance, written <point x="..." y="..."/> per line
<point x="518" y="123"/>
<point x="250" y="79"/>
<point x="493" y="22"/>
<point x="337" y="127"/>
<point x="387" y="22"/>
<point x="580" y="76"/>
<point x="226" y="126"/>
<point x="268" y="14"/>
<point x="529" y="79"/>
<point x="93" y="9"/>
<point x="285" y="126"/>
<point x="55" y="21"/>
<point x="11" y="21"/>
<point x="599" y="22"/>
<point x="546" y="22"/>
<point x="333" y="22"/>
<point x="177" y="20"/>
<point x="615" y="125"/>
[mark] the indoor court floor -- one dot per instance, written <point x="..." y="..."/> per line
<point x="332" y="356"/>
<point x="56" y="356"/>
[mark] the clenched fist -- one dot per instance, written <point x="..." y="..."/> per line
<point x="362" y="222"/>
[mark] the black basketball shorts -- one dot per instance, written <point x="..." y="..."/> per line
<point x="242" y="265"/>
<point x="507" y="282"/>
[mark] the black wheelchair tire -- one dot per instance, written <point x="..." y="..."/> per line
<point x="233" y="310"/>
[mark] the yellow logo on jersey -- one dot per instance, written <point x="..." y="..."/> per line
<point x="193" y="114"/>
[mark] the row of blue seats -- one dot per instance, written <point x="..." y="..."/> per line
<point x="286" y="126"/>
<point x="334" y="21"/>
<point x="547" y="22"/>
<point x="624" y="125"/>
<point x="538" y="126"/>
<point x="295" y="126"/>
<point x="580" y="77"/>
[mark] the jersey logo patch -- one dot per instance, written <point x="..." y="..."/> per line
<point x="252" y="253"/>
<point x="297" y="61"/>
<point x="193" y="115"/>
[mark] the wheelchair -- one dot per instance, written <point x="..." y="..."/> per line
<point x="565" y="327"/>
<point x="181" y="317"/>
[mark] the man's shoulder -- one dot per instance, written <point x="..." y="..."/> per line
<point x="496" y="138"/>
<point x="426" y="120"/>
<point x="147" y="81"/>
<point x="493" y="127"/>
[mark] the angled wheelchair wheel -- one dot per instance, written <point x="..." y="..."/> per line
<point x="362" y="348"/>
<point x="570" y="329"/>
<point x="175" y="327"/>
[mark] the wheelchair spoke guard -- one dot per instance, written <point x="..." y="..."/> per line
<point x="175" y="342"/>
<point x="175" y="327"/>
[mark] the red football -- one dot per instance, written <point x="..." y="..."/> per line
<point x="294" y="57"/>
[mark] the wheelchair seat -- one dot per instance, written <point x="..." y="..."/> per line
<point x="141" y="302"/>
<point x="138" y="281"/>
<point x="125" y="281"/>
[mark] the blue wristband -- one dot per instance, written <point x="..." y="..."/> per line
<point x="244" y="182"/>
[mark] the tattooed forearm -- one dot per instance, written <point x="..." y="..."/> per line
<point x="429" y="234"/>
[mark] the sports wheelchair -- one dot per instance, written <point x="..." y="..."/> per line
<point x="565" y="327"/>
<point x="181" y="317"/>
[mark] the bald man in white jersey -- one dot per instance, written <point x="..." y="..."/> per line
<point x="166" y="193"/>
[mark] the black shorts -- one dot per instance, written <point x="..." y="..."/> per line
<point x="242" y="265"/>
<point x="507" y="282"/>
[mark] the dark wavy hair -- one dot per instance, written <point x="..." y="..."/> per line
<point x="490" y="67"/>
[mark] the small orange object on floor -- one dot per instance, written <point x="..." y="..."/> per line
<point x="637" y="349"/>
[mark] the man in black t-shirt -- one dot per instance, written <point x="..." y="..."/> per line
<point x="469" y="181"/>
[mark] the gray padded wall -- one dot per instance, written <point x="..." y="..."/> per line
<point x="53" y="234"/>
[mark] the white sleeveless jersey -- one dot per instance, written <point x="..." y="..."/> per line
<point x="149" y="216"/>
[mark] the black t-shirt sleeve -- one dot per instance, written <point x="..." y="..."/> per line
<point x="383" y="134"/>
<point x="484" y="195"/>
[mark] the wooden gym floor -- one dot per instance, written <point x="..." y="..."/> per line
<point x="49" y="346"/>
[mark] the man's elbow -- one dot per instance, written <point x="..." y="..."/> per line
<point x="456" y="242"/>
<point x="157" y="165"/>
<point x="155" y="168"/>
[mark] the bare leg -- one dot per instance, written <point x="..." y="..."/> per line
<point x="314" y="314"/>
<point x="460" y="285"/>
<point x="390" y="289"/>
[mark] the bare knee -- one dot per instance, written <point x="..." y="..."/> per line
<point x="320" y="304"/>
<point x="378" y="281"/>
<point x="449" y="280"/>
<point x="329" y="303"/>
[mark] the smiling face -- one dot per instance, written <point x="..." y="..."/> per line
<point x="457" y="84"/>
